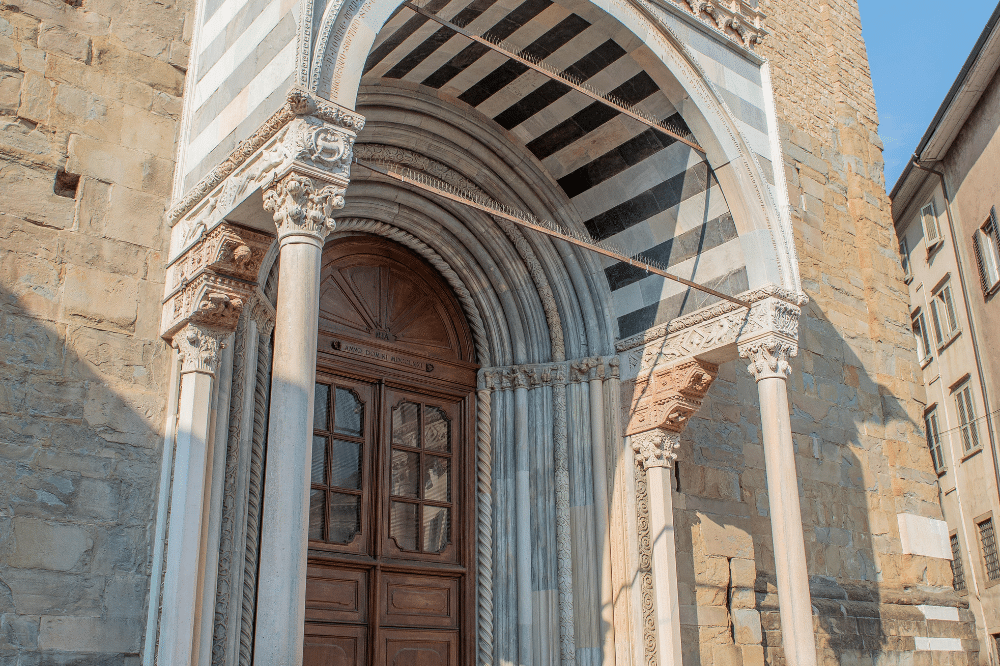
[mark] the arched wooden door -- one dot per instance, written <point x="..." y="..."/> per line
<point x="390" y="577"/>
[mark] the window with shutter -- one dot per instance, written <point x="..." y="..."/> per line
<point x="904" y="259"/>
<point x="922" y="335"/>
<point x="934" y="440"/>
<point x="967" y="424"/>
<point x="939" y="333"/>
<point x="988" y="254"/>
<point x="932" y="232"/>
<point x="944" y="315"/>
<point x="957" y="570"/>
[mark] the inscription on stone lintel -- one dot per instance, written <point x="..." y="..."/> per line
<point x="379" y="355"/>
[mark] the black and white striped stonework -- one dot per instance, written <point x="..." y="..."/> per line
<point x="636" y="187"/>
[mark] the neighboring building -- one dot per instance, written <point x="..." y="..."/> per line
<point x="319" y="413"/>
<point x="945" y="212"/>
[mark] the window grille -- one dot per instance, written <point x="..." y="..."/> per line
<point x="922" y="335"/>
<point x="988" y="539"/>
<point x="957" y="569"/>
<point x="967" y="418"/>
<point x="944" y="315"/>
<point x="932" y="230"/>
<point x="987" y="246"/>
<point x="934" y="440"/>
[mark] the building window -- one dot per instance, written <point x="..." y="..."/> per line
<point x="932" y="230"/>
<point x="943" y="314"/>
<point x="957" y="570"/>
<point x="967" y="418"/>
<point x="934" y="439"/>
<point x="987" y="245"/>
<point x="988" y="540"/>
<point x="904" y="259"/>
<point x="922" y="335"/>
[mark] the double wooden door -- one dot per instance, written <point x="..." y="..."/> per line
<point x="388" y="567"/>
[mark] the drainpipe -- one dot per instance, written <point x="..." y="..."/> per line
<point x="972" y="324"/>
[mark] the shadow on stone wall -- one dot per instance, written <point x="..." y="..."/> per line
<point x="851" y="434"/>
<point x="80" y="417"/>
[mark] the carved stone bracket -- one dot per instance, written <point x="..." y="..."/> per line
<point x="656" y="448"/>
<point x="199" y="348"/>
<point x="769" y="357"/>
<point x="209" y="283"/>
<point x="739" y="20"/>
<point x="666" y="399"/>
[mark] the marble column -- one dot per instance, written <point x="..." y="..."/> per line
<point x="661" y="403"/>
<point x="601" y="509"/>
<point x="207" y="285"/>
<point x="303" y="207"/>
<point x="198" y="348"/>
<point x="525" y="542"/>
<point x="768" y="362"/>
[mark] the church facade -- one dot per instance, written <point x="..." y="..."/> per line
<point x="319" y="349"/>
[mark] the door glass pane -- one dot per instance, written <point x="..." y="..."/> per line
<point x="403" y="525"/>
<point x="406" y="425"/>
<point x="437" y="528"/>
<point x="316" y="514"/>
<point x="319" y="460"/>
<point x="349" y="412"/>
<point x="346" y="472"/>
<point x="405" y="473"/>
<point x="437" y="479"/>
<point x="437" y="430"/>
<point x="322" y="409"/>
<point x="345" y="512"/>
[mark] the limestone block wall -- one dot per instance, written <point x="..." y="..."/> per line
<point x="882" y="596"/>
<point x="90" y="98"/>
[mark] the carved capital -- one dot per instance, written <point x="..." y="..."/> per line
<point x="209" y="283"/>
<point x="668" y="398"/>
<point x="200" y="348"/>
<point x="655" y="448"/>
<point x="769" y="357"/>
<point x="302" y="205"/>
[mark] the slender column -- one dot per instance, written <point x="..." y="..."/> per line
<point x="769" y="365"/>
<point x="522" y="488"/>
<point x="302" y="210"/>
<point x="199" y="352"/>
<point x="600" y="473"/>
<point x="662" y="402"/>
<point x="654" y="449"/>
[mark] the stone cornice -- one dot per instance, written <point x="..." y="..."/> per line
<point x="209" y="283"/>
<point x="738" y="20"/>
<point x="535" y="375"/>
<point x="299" y="103"/>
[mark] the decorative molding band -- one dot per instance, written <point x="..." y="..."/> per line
<point x="655" y="448"/>
<point x="209" y="283"/>
<point x="298" y="103"/>
<point x="548" y="374"/>
<point x="199" y="347"/>
<point x="645" y="564"/>
<point x="484" y="527"/>
<point x="769" y="357"/>
<point x="713" y="335"/>
<point x="666" y="399"/>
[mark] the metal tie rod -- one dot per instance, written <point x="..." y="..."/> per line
<point x="540" y="67"/>
<point x="491" y="207"/>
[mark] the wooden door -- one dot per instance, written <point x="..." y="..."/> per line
<point x="389" y="579"/>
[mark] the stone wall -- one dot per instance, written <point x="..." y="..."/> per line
<point x="90" y="96"/>
<point x="857" y="424"/>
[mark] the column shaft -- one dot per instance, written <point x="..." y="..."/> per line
<point x="795" y="603"/>
<point x="285" y="520"/>
<point x="178" y="640"/>
<point x="522" y="488"/>
<point x="661" y="527"/>
<point x="601" y="503"/>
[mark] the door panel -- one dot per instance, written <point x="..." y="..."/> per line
<point x="412" y="647"/>
<point x="335" y="645"/>
<point x="336" y="595"/>
<point x="419" y="601"/>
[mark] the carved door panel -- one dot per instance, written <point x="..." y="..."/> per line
<point x="387" y="559"/>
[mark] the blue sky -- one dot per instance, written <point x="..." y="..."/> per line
<point x="915" y="49"/>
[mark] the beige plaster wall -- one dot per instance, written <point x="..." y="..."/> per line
<point x="89" y="102"/>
